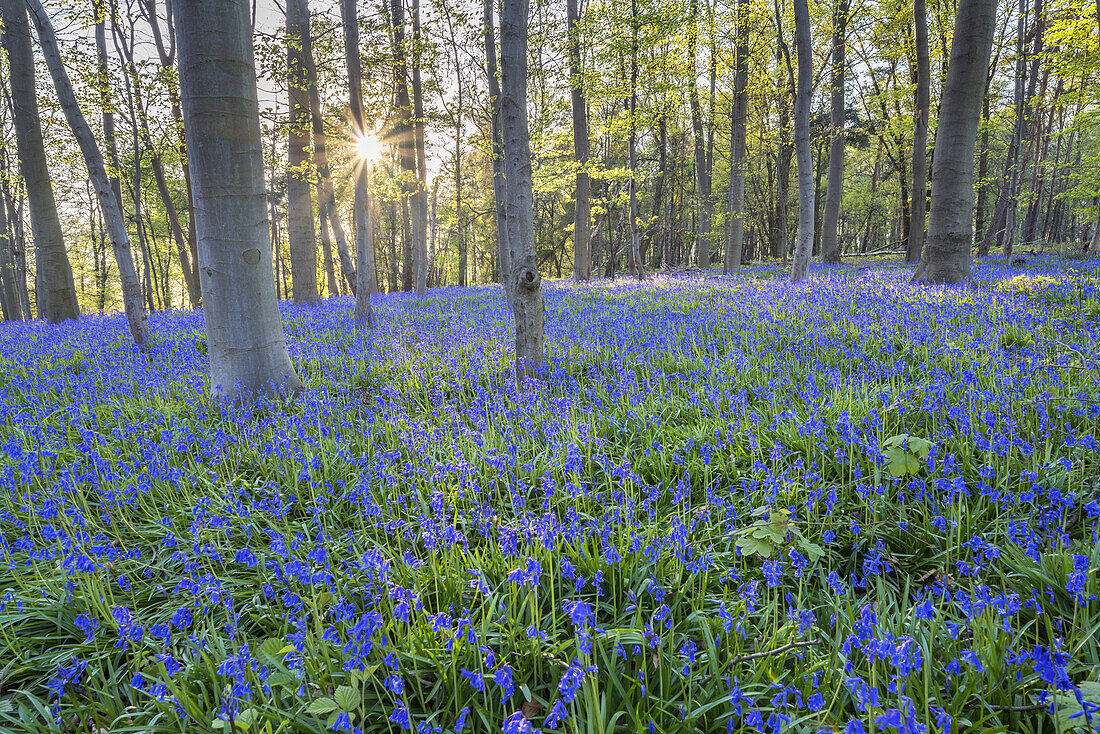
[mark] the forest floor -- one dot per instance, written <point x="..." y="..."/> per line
<point x="735" y="504"/>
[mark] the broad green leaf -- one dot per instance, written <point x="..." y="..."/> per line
<point x="752" y="545"/>
<point x="347" y="698"/>
<point x="322" y="706"/>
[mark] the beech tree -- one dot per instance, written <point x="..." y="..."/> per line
<point x="55" y="291"/>
<point x="500" y="192"/>
<point x="800" y="264"/>
<point x="946" y="257"/>
<point x="109" y="203"/>
<point x="739" y="111"/>
<point x="922" y="108"/>
<point x="217" y="72"/>
<point x="364" y="246"/>
<point x="582" y="262"/>
<point x="527" y="304"/>
<point x="303" y="245"/>
<point x="830" y="253"/>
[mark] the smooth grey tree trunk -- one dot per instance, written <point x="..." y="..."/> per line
<point x="739" y="113"/>
<point x="946" y="257"/>
<point x="527" y="304"/>
<point x="299" y="191"/>
<point x="786" y="147"/>
<point x="9" y="278"/>
<point x="834" y="188"/>
<point x="702" y="172"/>
<point x="15" y="226"/>
<point x="404" y="137"/>
<point x="183" y="249"/>
<point x="365" y="280"/>
<point x="632" y="153"/>
<point x="800" y="264"/>
<point x="922" y="107"/>
<point x="582" y="255"/>
<point x="217" y="72"/>
<point x="167" y="54"/>
<point x="55" y="291"/>
<point x="109" y="204"/>
<point x="326" y="204"/>
<point x="500" y="192"/>
<point x="420" y="201"/>
<point x="320" y="167"/>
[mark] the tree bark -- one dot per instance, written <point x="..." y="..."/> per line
<point x="97" y="172"/>
<point x="15" y="224"/>
<point x="366" y="280"/>
<point x="702" y="176"/>
<point x="167" y="62"/>
<point x="403" y="135"/>
<point x="183" y="246"/>
<point x="739" y="113"/>
<point x="632" y="154"/>
<point x="55" y="291"/>
<point x="247" y="348"/>
<point x="946" y="257"/>
<point x="582" y="255"/>
<point x="922" y="106"/>
<point x="527" y="303"/>
<point x="800" y="263"/>
<point x="834" y="188"/>
<point x="420" y="200"/>
<point x="327" y="214"/>
<point x="9" y="292"/>
<point x="983" y="170"/>
<point x="500" y="192"/>
<point x="786" y="150"/>
<point x="299" y="191"/>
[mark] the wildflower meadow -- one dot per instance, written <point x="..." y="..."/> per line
<point x="849" y="504"/>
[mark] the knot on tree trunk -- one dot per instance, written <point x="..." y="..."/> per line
<point x="529" y="278"/>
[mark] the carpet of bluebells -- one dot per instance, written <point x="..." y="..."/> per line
<point x="734" y="505"/>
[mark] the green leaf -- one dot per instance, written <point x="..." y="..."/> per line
<point x="322" y="706"/>
<point x="904" y="453"/>
<point x="752" y="545"/>
<point x="246" y="718"/>
<point x="347" y="698"/>
<point x="813" y="550"/>
<point x="1071" y="715"/>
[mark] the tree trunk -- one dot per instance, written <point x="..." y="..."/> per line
<point x="582" y="255"/>
<point x="527" y="304"/>
<point x="55" y="291"/>
<point x="834" y="188"/>
<point x="299" y="191"/>
<point x="786" y="150"/>
<point x="97" y="172"/>
<point x="983" y="170"/>
<point x="167" y="62"/>
<point x="404" y="137"/>
<point x="247" y="348"/>
<point x="326" y="200"/>
<point x="500" y="192"/>
<point x="739" y="113"/>
<point x="420" y="200"/>
<point x="9" y="293"/>
<point x="800" y="264"/>
<point x="946" y="258"/>
<point x="915" y="237"/>
<point x="632" y="154"/>
<point x="183" y="248"/>
<point x="701" y="173"/>
<point x="364" y="276"/>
